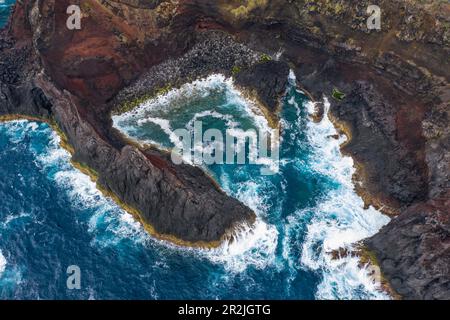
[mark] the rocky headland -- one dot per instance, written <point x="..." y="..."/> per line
<point x="395" y="110"/>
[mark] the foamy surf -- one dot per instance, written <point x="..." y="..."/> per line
<point x="164" y="111"/>
<point x="17" y="130"/>
<point x="109" y="224"/>
<point x="229" y="119"/>
<point x="339" y="221"/>
<point x="173" y="100"/>
<point x="13" y="217"/>
<point x="2" y="263"/>
<point x="165" y="126"/>
<point x="250" y="246"/>
<point x="301" y="236"/>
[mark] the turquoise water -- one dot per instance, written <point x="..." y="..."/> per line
<point x="52" y="216"/>
<point x="5" y="10"/>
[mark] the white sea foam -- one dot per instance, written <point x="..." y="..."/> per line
<point x="145" y="113"/>
<point x="229" y="120"/>
<point x="18" y="129"/>
<point x="251" y="246"/>
<point x="164" y="124"/>
<point x="111" y="225"/>
<point x="115" y="224"/>
<point x="326" y="149"/>
<point x="235" y="97"/>
<point x="339" y="221"/>
<point x="80" y="187"/>
<point x="255" y="245"/>
<point x="53" y="153"/>
<point x="12" y="217"/>
<point x="2" y="263"/>
<point x="198" y="88"/>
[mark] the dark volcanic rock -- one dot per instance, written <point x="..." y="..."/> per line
<point x="19" y="94"/>
<point x="267" y="79"/>
<point x="389" y="167"/>
<point x="214" y="52"/>
<point x="418" y="259"/>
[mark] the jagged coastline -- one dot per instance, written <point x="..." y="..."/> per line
<point x="396" y="106"/>
<point x="94" y="176"/>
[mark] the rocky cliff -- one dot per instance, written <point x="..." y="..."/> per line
<point x="395" y="110"/>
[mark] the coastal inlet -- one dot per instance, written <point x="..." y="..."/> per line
<point x="52" y="216"/>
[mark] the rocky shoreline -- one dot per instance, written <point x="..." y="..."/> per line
<point x="396" y="105"/>
<point x="259" y="77"/>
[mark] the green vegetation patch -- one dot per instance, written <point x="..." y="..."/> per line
<point x="236" y="70"/>
<point x="265" y="58"/>
<point x="338" y="95"/>
<point x="130" y="105"/>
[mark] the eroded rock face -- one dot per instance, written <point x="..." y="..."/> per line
<point x="116" y="42"/>
<point x="414" y="250"/>
<point x="396" y="108"/>
<point x="268" y="80"/>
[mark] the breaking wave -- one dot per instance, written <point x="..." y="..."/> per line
<point x="109" y="223"/>
<point x="339" y="220"/>
<point x="2" y="264"/>
<point x="251" y="246"/>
